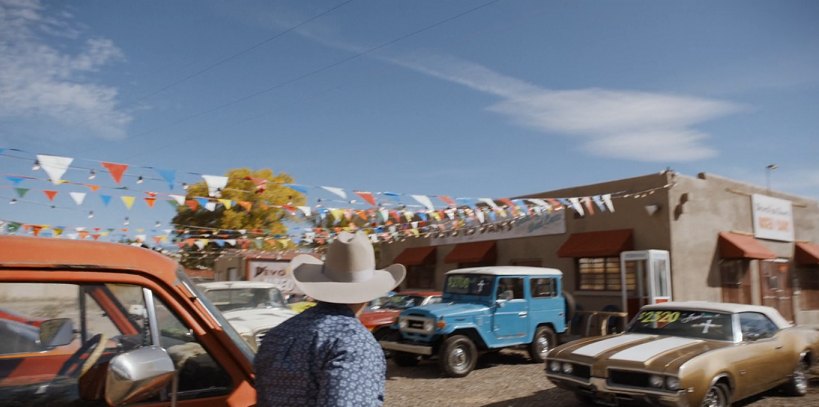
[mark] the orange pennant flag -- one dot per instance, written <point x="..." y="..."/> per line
<point x="50" y="194"/>
<point x="116" y="170"/>
<point x="150" y="201"/>
<point x="93" y="187"/>
<point x="245" y="204"/>
<point x="95" y="236"/>
<point x="83" y="234"/>
<point x="192" y="204"/>
<point x="367" y="196"/>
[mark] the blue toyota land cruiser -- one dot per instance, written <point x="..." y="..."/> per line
<point x="483" y="309"/>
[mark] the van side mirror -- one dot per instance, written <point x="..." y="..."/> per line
<point x="56" y="332"/>
<point x="137" y="375"/>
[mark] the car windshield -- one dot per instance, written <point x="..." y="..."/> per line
<point x="686" y="323"/>
<point x="399" y="301"/>
<point x="228" y="299"/>
<point x="469" y="284"/>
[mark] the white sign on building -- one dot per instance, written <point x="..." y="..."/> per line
<point x="773" y="218"/>
<point x="276" y="272"/>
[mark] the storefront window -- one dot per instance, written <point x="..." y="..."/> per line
<point x="809" y="286"/>
<point x="601" y="274"/>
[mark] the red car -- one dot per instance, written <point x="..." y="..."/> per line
<point x="379" y="319"/>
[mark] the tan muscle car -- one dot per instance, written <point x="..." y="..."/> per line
<point x="688" y="354"/>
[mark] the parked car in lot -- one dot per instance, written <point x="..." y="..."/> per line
<point x="87" y="349"/>
<point x="483" y="309"/>
<point x="689" y="353"/>
<point x="379" y="320"/>
<point x="252" y="307"/>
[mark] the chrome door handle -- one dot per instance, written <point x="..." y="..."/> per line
<point x="522" y="314"/>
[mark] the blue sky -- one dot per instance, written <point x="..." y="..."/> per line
<point x="458" y="98"/>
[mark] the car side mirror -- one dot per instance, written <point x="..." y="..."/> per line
<point x="56" y="332"/>
<point x="137" y="375"/>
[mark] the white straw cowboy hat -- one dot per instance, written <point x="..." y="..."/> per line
<point x="348" y="274"/>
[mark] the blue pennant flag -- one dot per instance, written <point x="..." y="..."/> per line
<point x="106" y="199"/>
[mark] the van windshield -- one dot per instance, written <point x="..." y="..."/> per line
<point x="469" y="284"/>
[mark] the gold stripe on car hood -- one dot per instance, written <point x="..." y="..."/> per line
<point x="605" y="345"/>
<point x="646" y="351"/>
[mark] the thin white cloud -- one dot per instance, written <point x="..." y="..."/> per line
<point x="640" y="126"/>
<point x="40" y="82"/>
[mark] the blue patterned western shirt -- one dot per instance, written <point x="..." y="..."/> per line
<point x="321" y="357"/>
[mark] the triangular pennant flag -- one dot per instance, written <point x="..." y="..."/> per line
<point x="168" y="175"/>
<point x="211" y="206"/>
<point x="489" y="202"/>
<point x="106" y="199"/>
<point x="191" y="203"/>
<point x="173" y="203"/>
<point x="245" y="204"/>
<point x="128" y="200"/>
<point x="227" y="203"/>
<point x="577" y="207"/>
<point x="21" y="192"/>
<point x="15" y="180"/>
<point x="466" y="201"/>
<point x="305" y="210"/>
<point x="607" y="200"/>
<point x="587" y="202"/>
<point x="78" y="197"/>
<point x="93" y="187"/>
<point x="599" y="202"/>
<point x="50" y="194"/>
<point x="393" y="196"/>
<point x="338" y="191"/>
<point x="116" y="170"/>
<point x="447" y="200"/>
<point x="180" y="199"/>
<point x="296" y="187"/>
<point x="150" y="201"/>
<point x="54" y="166"/>
<point x="424" y="200"/>
<point x="367" y="196"/>
<point x="202" y="201"/>
<point x="58" y="230"/>
<point x="215" y="183"/>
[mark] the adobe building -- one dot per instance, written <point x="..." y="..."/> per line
<point x="717" y="240"/>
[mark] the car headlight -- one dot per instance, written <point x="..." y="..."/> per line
<point x="554" y="366"/>
<point x="656" y="381"/>
<point x="672" y="383"/>
<point x="567" y="368"/>
<point x="429" y="326"/>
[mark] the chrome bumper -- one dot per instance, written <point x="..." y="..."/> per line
<point x="405" y="347"/>
<point x="598" y="390"/>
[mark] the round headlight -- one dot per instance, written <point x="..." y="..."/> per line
<point x="567" y="368"/>
<point x="672" y="383"/>
<point x="428" y="326"/>
<point x="554" y="366"/>
<point x="656" y="381"/>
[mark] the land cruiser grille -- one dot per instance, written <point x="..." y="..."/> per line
<point x="415" y="324"/>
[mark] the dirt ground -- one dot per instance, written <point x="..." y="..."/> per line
<point x="509" y="379"/>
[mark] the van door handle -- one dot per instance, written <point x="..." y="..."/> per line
<point x="522" y="314"/>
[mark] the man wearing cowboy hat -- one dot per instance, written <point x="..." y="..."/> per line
<point x="324" y="356"/>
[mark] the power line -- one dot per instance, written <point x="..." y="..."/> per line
<point x="311" y="73"/>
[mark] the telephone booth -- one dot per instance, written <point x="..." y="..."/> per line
<point x="645" y="278"/>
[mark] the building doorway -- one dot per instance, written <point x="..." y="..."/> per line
<point x="776" y="287"/>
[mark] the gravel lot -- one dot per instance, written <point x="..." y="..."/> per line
<point x="509" y="379"/>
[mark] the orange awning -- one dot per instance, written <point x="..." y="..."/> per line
<point x="604" y="243"/>
<point x="737" y="246"/>
<point x="474" y="252"/>
<point x="806" y="253"/>
<point x="414" y="256"/>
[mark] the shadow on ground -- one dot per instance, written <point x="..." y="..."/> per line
<point x="428" y="369"/>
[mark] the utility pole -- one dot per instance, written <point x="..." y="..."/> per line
<point x="768" y="170"/>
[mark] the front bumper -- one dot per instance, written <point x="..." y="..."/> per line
<point x="598" y="389"/>
<point x="406" y="347"/>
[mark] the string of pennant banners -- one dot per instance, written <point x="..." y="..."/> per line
<point x="385" y="216"/>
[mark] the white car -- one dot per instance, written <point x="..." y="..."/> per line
<point x="251" y="307"/>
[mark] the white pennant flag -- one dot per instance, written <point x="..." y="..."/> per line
<point x="78" y="197"/>
<point x="180" y="199"/>
<point x="211" y="206"/>
<point x="338" y="191"/>
<point x="54" y="166"/>
<point x="424" y="200"/>
<point x="480" y="216"/>
<point x="489" y="202"/>
<point x="305" y="210"/>
<point x="577" y="207"/>
<point x="215" y="183"/>
<point x="607" y="201"/>
<point x="541" y="203"/>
